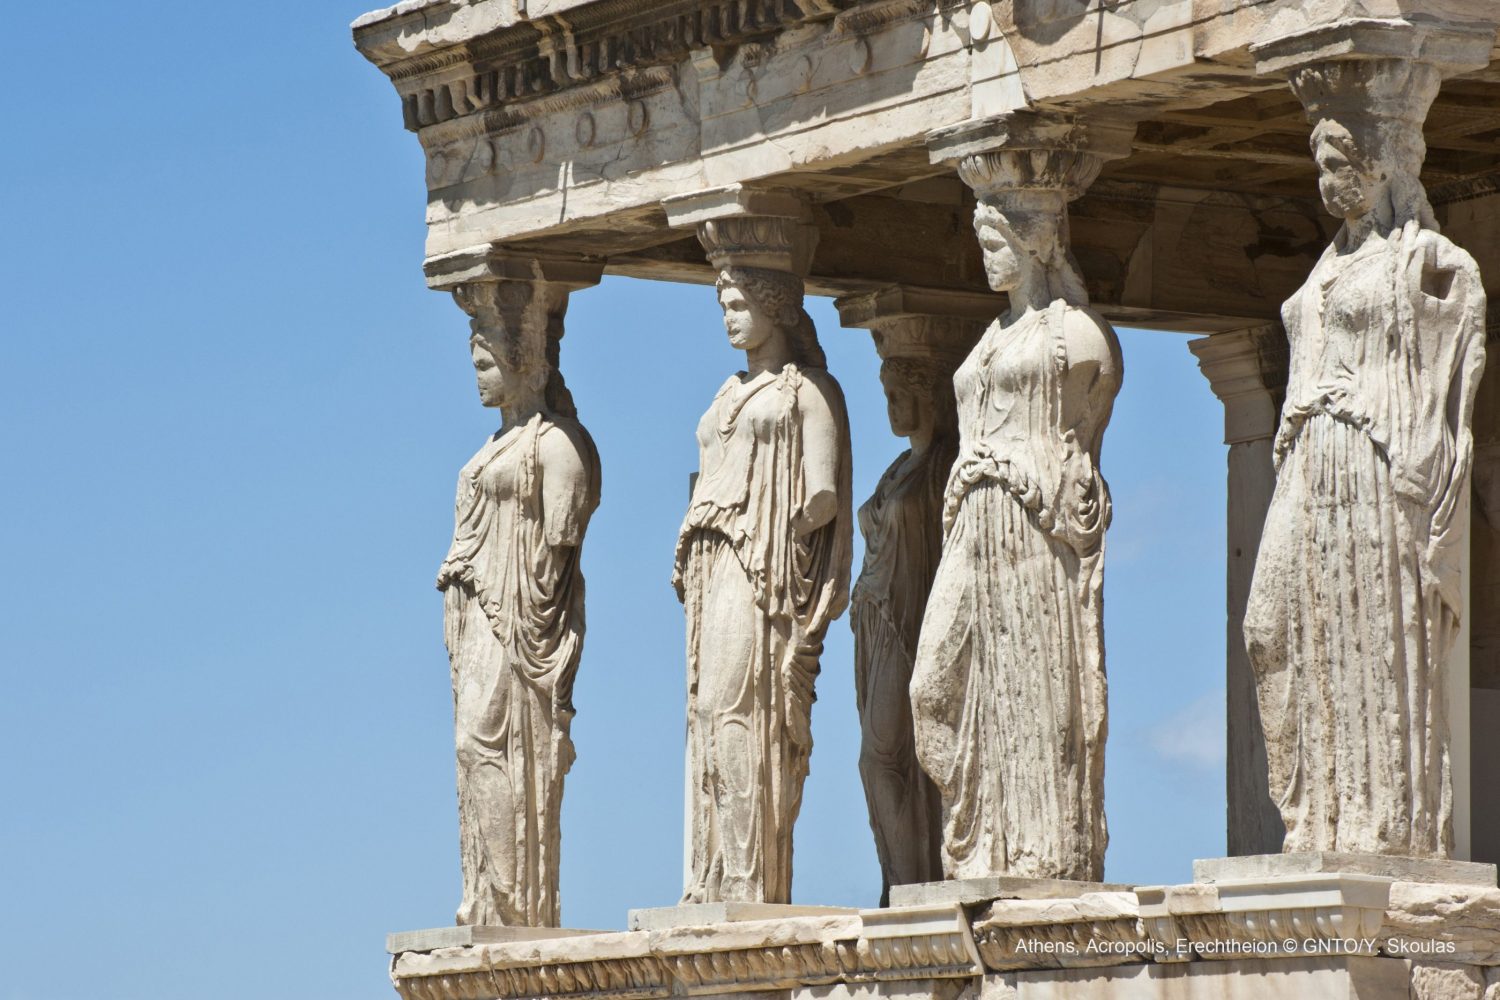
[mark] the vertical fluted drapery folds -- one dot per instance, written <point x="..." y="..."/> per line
<point x="1008" y="691"/>
<point x="762" y="564"/>
<point x="1357" y="595"/>
<point x="514" y="600"/>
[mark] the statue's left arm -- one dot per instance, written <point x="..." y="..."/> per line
<point x="1450" y="312"/>
<point x="821" y="446"/>
<point x="569" y="492"/>
<point x="1090" y="382"/>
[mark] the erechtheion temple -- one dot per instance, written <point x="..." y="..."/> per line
<point x="1312" y="187"/>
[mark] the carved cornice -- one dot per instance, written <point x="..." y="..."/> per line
<point x="555" y="53"/>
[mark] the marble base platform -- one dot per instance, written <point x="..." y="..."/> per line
<point x="970" y="891"/>
<point x="1309" y="935"/>
<point x="1401" y="869"/>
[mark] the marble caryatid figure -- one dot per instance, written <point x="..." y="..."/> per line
<point x="902" y="525"/>
<point x="1008" y="691"/>
<point x="1356" y="598"/>
<point x="762" y="567"/>
<point x="513" y="605"/>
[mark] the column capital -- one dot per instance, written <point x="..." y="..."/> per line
<point x="910" y="321"/>
<point x="1043" y="153"/>
<point x="1247" y="371"/>
<point x="491" y="263"/>
<point x="743" y="225"/>
<point x="1448" y="47"/>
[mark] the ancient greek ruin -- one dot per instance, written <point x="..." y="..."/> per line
<point x="1309" y="189"/>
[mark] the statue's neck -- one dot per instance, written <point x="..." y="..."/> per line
<point x="1033" y="293"/>
<point x="519" y="414"/>
<point x="921" y="442"/>
<point x="771" y="355"/>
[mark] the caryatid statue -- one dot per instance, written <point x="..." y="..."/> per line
<point x="762" y="567"/>
<point x="1008" y="690"/>
<point x="1357" y="595"/>
<point x="513" y="604"/>
<point x="902" y="525"/>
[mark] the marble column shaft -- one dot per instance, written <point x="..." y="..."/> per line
<point x="1247" y="371"/>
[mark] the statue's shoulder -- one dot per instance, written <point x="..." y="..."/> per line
<point x="818" y="381"/>
<point x="563" y="439"/>
<point x="1089" y="337"/>
<point x="1439" y="250"/>
<point x="1448" y="273"/>
<point x="1084" y="321"/>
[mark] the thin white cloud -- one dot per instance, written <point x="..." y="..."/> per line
<point x="1193" y="735"/>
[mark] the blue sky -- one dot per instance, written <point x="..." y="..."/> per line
<point x="230" y="423"/>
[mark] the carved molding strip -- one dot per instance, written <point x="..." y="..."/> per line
<point x="1268" y="912"/>
<point x="1091" y="930"/>
<point x="547" y="55"/>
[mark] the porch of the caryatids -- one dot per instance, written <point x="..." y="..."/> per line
<point x="921" y="337"/>
<point x="1357" y="597"/>
<point x="513" y="588"/>
<point x="1008" y="688"/>
<point x="763" y="558"/>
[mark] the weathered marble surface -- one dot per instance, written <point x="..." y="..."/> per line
<point x="762" y="568"/>
<point x="1008" y="691"/>
<point x="1357" y="594"/>
<point x="513" y="605"/>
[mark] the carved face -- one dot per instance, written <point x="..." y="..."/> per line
<point x="1348" y="191"/>
<point x="493" y="386"/>
<point x="1002" y="268"/>
<point x="904" y="408"/>
<point x="1010" y="245"/>
<point x="747" y="324"/>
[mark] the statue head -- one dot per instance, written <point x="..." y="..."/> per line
<point x="1367" y="140"/>
<point x="516" y="329"/>
<point x="918" y="395"/>
<point x="760" y="305"/>
<point x="1367" y="167"/>
<point x="1025" y="241"/>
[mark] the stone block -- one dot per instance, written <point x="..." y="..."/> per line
<point x="463" y="937"/>
<point x="1257" y="866"/>
<point x="970" y="891"/>
<point x="1446" y="981"/>
<point x="704" y="914"/>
